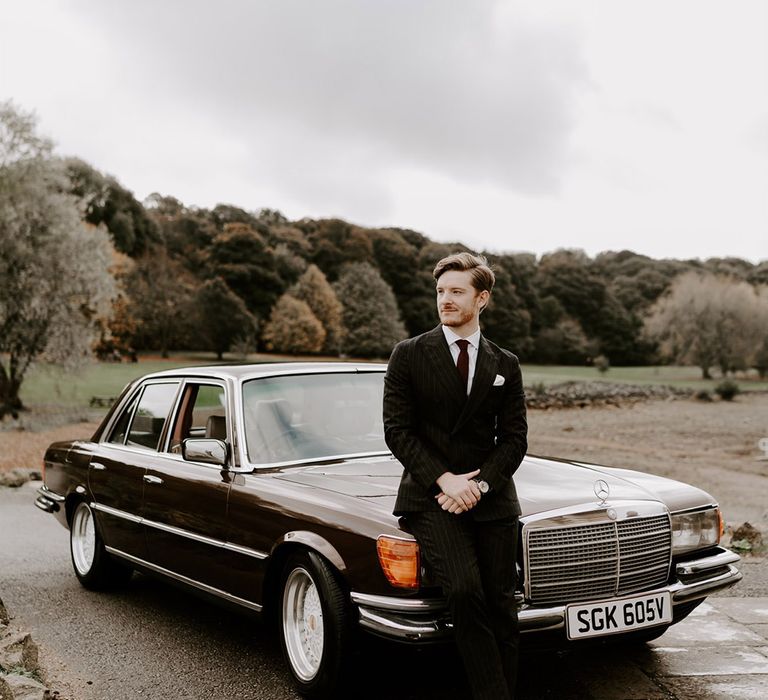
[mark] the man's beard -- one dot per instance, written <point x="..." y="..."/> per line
<point x="454" y="320"/>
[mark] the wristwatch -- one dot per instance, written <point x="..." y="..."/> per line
<point x="484" y="486"/>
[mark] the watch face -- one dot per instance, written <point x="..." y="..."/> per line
<point x="484" y="488"/>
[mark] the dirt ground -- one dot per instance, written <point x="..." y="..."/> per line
<point x="711" y="445"/>
<point x="25" y="448"/>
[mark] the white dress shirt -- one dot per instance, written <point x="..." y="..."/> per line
<point x="474" y="343"/>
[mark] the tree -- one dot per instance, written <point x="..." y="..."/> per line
<point x="371" y="316"/>
<point x="710" y="321"/>
<point x="222" y="317"/>
<point x="107" y="202"/>
<point x="336" y="243"/>
<point x="293" y="328"/>
<point x="575" y="281"/>
<point x="54" y="269"/>
<point x="506" y="321"/>
<point x="242" y="258"/>
<point x="314" y="289"/>
<point x="564" y="344"/>
<point x="159" y="292"/>
<point x="413" y="285"/>
<point x="760" y="359"/>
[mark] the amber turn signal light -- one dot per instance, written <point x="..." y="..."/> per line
<point x="721" y="524"/>
<point x="399" y="559"/>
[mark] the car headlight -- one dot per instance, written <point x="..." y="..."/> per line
<point x="696" y="530"/>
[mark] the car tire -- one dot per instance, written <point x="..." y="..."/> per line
<point x="315" y="624"/>
<point x="93" y="565"/>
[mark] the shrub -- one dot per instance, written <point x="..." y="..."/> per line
<point x="703" y="395"/>
<point x="602" y="364"/>
<point x="727" y="389"/>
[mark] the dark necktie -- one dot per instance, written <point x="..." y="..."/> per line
<point x="463" y="362"/>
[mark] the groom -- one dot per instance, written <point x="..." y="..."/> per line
<point x="454" y="416"/>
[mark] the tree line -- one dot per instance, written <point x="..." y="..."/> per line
<point x="80" y="255"/>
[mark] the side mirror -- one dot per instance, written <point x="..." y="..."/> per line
<point x="205" y="450"/>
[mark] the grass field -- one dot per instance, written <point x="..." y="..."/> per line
<point x="47" y="385"/>
<point x="672" y="375"/>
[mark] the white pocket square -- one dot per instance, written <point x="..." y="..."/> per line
<point x="498" y="381"/>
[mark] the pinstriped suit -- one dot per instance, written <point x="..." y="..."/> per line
<point x="432" y="426"/>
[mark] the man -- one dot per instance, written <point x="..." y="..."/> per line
<point x="454" y="415"/>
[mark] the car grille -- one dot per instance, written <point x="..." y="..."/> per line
<point x="597" y="560"/>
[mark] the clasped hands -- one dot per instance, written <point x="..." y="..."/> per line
<point x="458" y="492"/>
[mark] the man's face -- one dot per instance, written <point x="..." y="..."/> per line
<point x="458" y="302"/>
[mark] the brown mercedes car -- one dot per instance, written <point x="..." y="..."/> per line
<point x="271" y="487"/>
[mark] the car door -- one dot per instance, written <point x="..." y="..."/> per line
<point x="120" y="461"/>
<point x="185" y="502"/>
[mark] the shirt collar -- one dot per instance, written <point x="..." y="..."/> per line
<point x="452" y="337"/>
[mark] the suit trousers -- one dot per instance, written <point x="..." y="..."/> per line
<point x="474" y="562"/>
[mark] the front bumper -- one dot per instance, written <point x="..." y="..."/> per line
<point x="423" y="621"/>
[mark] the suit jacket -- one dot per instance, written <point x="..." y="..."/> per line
<point x="432" y="426"/>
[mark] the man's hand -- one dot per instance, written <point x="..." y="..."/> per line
<point x="459" y="491"/>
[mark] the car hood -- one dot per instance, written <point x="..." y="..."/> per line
<point x="543" y="484"/>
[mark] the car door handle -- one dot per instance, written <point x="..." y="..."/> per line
<point x="152" y="479"/>
<point x="98" y="466"/>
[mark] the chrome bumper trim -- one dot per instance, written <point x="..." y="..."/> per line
<point x="422" y="620"/>
<point x="722" y="558"/>
<point x="383" y="602"/>
<point x="48" y="500"/>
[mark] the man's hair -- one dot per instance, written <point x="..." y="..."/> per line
<point x="483" y="278"/>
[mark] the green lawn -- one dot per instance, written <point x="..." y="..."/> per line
<point x="50" y="385"/>
<point x="673" y="375"/>
<point x="46" y="385"/>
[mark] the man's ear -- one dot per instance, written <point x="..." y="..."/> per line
<point x="485" y="297"/>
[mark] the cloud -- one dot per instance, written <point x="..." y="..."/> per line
<point x="329" y="97"/>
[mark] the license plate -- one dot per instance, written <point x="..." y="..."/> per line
<point x="622" y="615"/>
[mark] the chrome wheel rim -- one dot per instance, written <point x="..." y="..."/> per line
<point x="83" y="539"/>
<point x="303" y="624"/>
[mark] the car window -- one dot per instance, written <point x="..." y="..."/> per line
<point x="312" y="416"/>
<point x="151" y="413"/>
<point x="201" y="414"/>
<point x="120" y="428"/>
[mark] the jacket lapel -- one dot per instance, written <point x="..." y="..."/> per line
<point x="485" y="373"/>
<point x="443" y="364"/>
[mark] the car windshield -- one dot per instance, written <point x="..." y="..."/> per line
<point x="311" y="416"/>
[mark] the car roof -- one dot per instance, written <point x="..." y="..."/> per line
<point x="249" y="371"/>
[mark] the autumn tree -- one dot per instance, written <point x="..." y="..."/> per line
<point x="54" y="268"/>
<point x="710" y="321"/>
<point x="314" y="289"/>
<point x="221" y="317"/>
<point x="371" y="316"/>
<point x="293" y="328"/>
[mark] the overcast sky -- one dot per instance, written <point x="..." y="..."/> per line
<point x="509" y="126"/>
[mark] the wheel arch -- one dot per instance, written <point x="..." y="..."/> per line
<point x="293" y="541"/>
<point x="71" y="502"/>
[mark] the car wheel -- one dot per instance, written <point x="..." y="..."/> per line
<point x="93" y="565"/>
<point x="314" y="624"/>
